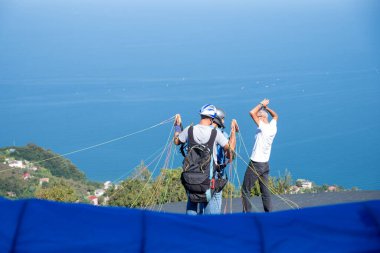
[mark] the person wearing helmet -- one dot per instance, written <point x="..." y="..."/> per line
<point x="258" y="168"/>
<point x="201" y="134"/>
<point x="215" y="204"/>
<point x="219" y="118"/>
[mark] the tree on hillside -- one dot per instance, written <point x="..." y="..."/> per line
<point x="59" y="191"/>
<point x="134" y="191"/>
<point x="277" y="185"/>
<point x="130" y="193"/>
<point x="13" y="184"/>
<point x="283" y="183"/>
<point x="229" y="191"/>
<point x="168" y="187"/>
<point x="141" y="190"/>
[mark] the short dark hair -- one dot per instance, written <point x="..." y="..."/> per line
<point x="205" y="117"/>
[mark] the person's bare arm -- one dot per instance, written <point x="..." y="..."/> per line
<point x="272" y="113"/>
<point x="256" y="109"/>
<point x="177" y="126"/>
<point x="230" y="147"/>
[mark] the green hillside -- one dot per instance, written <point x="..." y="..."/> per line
<point x="57" y="165"/>
<point x="32" y="171"/>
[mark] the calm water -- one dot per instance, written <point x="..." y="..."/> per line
<point x="73" y="75"/>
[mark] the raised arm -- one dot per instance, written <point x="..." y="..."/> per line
<point x="177" y="129"/>
<point x="230" y="147"/>
<point x="256" y="109"/>
<point x="272" y="113"/>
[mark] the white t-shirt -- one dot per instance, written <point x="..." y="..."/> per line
<point x="264" y="137"/>
<point x="202" y="135"/>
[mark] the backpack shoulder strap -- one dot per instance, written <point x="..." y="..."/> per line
<point x="191" y="136"/>
<point x="210" y="143"/>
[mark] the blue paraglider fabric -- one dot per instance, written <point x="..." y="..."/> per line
<point x="38" y="226"/>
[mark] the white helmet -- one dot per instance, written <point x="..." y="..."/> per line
<point x="208" y="110"/>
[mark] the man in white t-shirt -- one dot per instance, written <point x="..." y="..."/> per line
<point x="258" y="167"/>
<point x="201" y="135"/>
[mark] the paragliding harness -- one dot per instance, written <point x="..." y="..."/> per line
<point x="222" y="178"/>
<point x="198" y="175"/>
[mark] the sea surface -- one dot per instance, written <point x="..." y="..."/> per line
<point x="91" y="80"/>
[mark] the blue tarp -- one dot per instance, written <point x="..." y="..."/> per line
<point x="44" y="226"/>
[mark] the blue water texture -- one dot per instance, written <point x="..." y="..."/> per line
<point x="74" y="74"/>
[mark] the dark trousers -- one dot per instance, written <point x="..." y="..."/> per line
<point x="253" y="172"/>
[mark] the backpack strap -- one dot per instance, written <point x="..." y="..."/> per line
<point x="191" y="140"/>
<point x="210" y="143"/>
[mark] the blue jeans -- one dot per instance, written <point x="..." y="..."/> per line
<point x="212" y="207"/>
<point x="215" y="204"/>
<point x="193" y="208"/>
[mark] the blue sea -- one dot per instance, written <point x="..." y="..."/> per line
<point x="91" y="78"/>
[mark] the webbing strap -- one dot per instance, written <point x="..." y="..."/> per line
<point x="191" y="137"/>
<point x="209" y="192"/>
